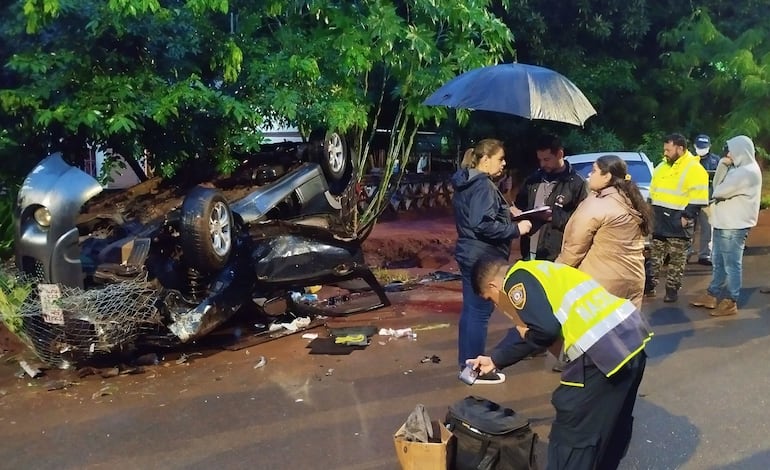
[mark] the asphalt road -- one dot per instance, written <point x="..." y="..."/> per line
<point x="702" y="404"/>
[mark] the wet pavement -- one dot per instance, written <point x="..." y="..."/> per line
<point x="702" y="405"/>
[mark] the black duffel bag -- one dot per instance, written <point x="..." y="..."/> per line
<point x="490" y="437"/>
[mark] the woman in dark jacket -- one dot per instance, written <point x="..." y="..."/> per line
<point x="484" y="229"/>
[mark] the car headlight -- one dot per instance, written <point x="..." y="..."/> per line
<point x="42" y="216"/>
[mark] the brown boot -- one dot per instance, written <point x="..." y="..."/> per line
<point x="706" y="300"/>
<point x="725" y="308"/>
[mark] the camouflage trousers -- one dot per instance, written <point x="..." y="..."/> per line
<point x="675" y="249"/>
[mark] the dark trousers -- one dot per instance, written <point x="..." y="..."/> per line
<point x="594" y="423"/>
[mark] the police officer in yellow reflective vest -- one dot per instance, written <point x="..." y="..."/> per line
<point x="678" y="190"/>
<point x="556" y="306"/>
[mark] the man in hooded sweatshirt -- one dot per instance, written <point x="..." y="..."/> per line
<point x="734" y="210"/>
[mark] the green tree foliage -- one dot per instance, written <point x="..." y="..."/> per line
<point x="723" y="53"/>
<point x="132" y="75"/>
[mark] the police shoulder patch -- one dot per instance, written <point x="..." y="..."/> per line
<point x="518" y="296"/>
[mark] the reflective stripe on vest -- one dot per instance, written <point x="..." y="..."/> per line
<point x="584" y="308"/>
<point x="676" y="193"/>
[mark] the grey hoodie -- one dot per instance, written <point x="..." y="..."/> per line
<point x="737" y="188"/>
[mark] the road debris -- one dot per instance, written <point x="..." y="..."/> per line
<point x="104" y="391"/>
<point x="111" y="372"/>
<point x="434" y="359"/>
<point x="185" y="357"/>
<point x="30" y="370"/>
<point x="295" y="325"/>
<point x="58" y="384"/>
<point x="399" y="333"/>
<point x="434" y="326"/>
<point x="310" y="336"/>
<point x="261" y="363"/>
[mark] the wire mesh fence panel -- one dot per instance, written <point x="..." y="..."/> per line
<point x="65" y="325"/>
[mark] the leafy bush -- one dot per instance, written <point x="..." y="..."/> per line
<point x="13" y="292"/>
<point x="652" y="146"/>
<point x="595" y="139"/>
<point x="7" y="199"/>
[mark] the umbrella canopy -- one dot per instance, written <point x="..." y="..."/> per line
<point x="524" y="90"/>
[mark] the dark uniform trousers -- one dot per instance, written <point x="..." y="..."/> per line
<point x="593" y="423"/>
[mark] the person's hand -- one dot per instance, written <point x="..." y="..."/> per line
<point x="685" y="222"/>
<point x="522" y="330"/>
<point x="524" y="226"/>
<point x="726" y="161"/>
<point x="483" y="364"/>
<point x="515" y="211"/>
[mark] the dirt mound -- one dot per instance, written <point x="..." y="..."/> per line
<point x="413" y="240"/>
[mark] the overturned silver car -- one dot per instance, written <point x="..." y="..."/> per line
<point x="102" y="282"/>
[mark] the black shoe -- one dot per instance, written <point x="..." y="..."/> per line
<point x="704" y="261"/>
<point x="671" y="295"/>
<point x="650" y="292"/>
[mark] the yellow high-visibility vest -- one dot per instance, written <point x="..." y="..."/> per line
<point x="585" y="310"/>
<point x="676" y="185"/>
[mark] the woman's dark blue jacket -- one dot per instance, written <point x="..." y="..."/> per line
<point x="484" y="226"/>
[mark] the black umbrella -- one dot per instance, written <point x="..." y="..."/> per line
<point x="524" y="90"/>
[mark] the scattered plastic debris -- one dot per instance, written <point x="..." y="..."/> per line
<point x="261" y="362"/>
<point x="310" y="336"/>
<point x="329" y="372"/>
<point x="434" y="359"/>
<point x="295" y="325"/>
<point x="407" y="372"/>
<point x="30" y="370"/>
<point x="185" y="357"/>
<point x="104" y="391"/>
<point x="400" y="333"/>
<point x="298" y="400"/>
<point x="309" y="298"/>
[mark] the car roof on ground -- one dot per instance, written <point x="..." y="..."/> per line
<point x="591" y="157"/>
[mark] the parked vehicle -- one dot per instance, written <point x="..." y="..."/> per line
<point x="104" y="281"/>
<point x="639" y="166"/>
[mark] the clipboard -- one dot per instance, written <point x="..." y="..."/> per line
<point x="539" y="213"/>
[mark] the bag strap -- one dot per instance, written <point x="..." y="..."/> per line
<point x="488" y="456"/>
<point x="532" y="455"/>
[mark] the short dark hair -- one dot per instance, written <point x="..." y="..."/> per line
<point x="484" y="270"/>
<point x="549" y="142"/>
<point x="677" y="139"/>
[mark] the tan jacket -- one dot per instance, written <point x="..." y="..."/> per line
<point x="604" y="240"/>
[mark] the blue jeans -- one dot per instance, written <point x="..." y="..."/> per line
<point x="474" y="319"/>
<point x="727" y="258"/>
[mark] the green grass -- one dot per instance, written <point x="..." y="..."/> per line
<point x="765" y="201"/>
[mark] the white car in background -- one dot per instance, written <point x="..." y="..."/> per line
<point x="639" y="167"/>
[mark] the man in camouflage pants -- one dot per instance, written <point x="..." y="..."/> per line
<point x="675" y="249"/>
<point x="678" y="191"/>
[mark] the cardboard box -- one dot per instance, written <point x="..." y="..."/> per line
<point x="426" y="456"/>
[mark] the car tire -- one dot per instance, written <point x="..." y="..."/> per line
<point x="207" y="230"/>
<point x="330" y="150"/>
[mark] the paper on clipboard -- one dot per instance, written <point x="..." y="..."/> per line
<point x="537" y="213"/>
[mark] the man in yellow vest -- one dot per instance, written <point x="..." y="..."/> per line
<point x="556" y="306"/>
<point x="678" y="190"/>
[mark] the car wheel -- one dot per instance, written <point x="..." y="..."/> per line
<point x="207" y="229"/>
<point x="332" y="154"/>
